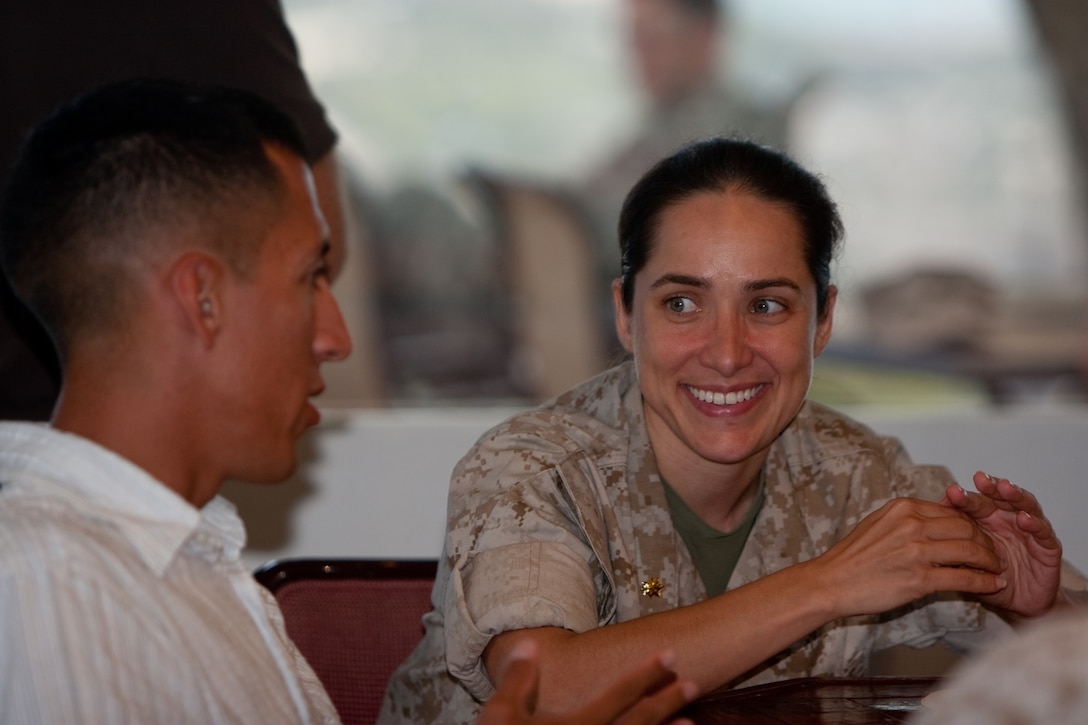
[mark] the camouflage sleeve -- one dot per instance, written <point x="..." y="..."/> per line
<point x="518" y="555"/>
<point x="952" y="620"/>
<point x="961" y="624"/>
<point x="924" y="481"/>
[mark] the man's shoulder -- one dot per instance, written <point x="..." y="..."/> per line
<point x="46" y="530"/>
<point x="49" y="525"/>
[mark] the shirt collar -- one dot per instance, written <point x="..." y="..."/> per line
<point x="156" y="520"/>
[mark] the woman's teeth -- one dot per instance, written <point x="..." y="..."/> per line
<point x="730" y="398"/>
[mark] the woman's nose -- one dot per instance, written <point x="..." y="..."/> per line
<point x="726" y="347"/>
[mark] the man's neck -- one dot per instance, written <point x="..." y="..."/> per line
<point x="147" y="438"/>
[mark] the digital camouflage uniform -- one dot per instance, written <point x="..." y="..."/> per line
<point x="557" y="517"/>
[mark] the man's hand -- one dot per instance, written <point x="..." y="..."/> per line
<point x="1024" y="539"/>
<point x="645" y="695"/>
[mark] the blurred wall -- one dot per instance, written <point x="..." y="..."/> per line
<point x="373" y="483"/>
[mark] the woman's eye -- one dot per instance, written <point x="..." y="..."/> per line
<point x="679" y="304"/>
<point x="767" y="307"/>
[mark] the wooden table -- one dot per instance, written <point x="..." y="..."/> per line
<point x="815" y="701"/>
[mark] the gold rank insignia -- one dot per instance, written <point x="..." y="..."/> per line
<point x="653" y="587"/>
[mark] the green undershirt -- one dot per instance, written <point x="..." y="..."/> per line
<point x="715" y="553"/>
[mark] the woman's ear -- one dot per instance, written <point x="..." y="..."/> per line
<point x="196" y="280"/>
<point x="823" y="323"/>
<point x="623" y="318"/>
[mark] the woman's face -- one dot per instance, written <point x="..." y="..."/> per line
<point x="723" y="327"/>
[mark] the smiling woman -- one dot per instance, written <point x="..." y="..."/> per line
<point x="724" y="336"/>
<point x="734" y="306"/>
<point x="691" y="497"/>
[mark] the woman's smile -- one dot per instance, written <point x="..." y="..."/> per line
<point x="721" y="399"/>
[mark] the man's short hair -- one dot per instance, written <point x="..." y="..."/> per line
<point x="114" y="175"/>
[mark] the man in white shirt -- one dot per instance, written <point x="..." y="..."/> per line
<point x="169" y="238"/>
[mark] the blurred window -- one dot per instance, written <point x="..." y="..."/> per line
<point x="936" y="125"/>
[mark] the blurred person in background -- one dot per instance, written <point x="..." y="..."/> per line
<point x="676" y="49"/>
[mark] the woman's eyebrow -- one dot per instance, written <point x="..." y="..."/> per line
<point x="762" y="284"/>
<point x="684" y="279"/>
<point x="701" y="282"/>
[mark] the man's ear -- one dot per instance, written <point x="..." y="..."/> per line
<point x="196" y="282"/>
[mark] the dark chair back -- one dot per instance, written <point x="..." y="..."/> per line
<point x="355" y="621"/>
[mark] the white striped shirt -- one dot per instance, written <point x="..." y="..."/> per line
<point x="122" y="603"/>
